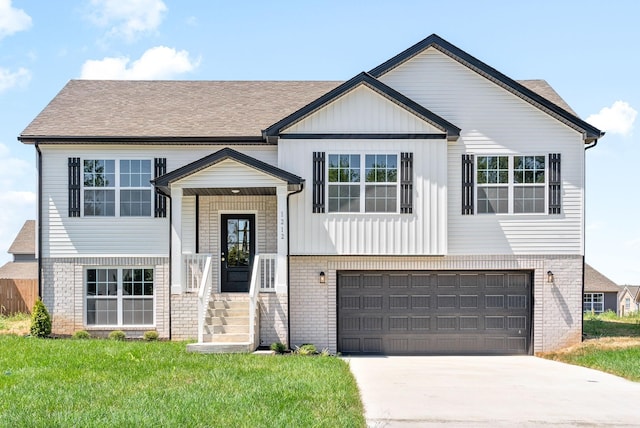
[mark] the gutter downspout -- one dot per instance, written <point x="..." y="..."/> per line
<point x="170" y="215"/>
<point x="289" y="268"/>
<point x="39" y="216"/>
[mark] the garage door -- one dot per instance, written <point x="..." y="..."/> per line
<point x="428" y="312"/>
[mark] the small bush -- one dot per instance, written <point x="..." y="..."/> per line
<point x="608" y="315"/>
<point x="307" y="349"/>
<point x="81" y="334"/>
<point x="278" y="347"/>
<point x="40" y="320"/>
<point x="117" y="335"/>
<point x="150" y="336"/>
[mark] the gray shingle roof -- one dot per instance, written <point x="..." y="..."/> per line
<point x="121" y="108"/>
<point x="594" y="281"/>
<point x="25" y="242"/>
<point x="19" y="270"/>
<point x="190" y="109"/>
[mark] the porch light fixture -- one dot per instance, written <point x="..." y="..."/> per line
<point x="550" y="277"/>
<point x="235" y="191"/>
<point x="323" y="278"/>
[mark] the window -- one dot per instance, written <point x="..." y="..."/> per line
<point x="99" y="188"/>
<point x="119" y="296"/>
<point x="593" y="302"/>
<point x="627" y="303"/>
<point x="122" y="187"/>
<point x="511" y="184"/>
<point x="360" y="183"/>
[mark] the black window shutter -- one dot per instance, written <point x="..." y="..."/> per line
<point x="406" y="183"/>
<point x="74" y="187"/>
<point x="555" y="194"/>
<point x="318" y="182"/>
<point x="161" y="200"/>
<point x="467" y="184"/>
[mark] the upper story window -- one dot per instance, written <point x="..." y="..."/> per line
<point x="511" y="184"/>
<point x="363" y="183"/>
<point x="121" y="187"/>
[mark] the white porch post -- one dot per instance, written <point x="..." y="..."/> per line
<point x="281" y="259"/>
<point x="177" y="285"/>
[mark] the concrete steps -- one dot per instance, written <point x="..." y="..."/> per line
<point x="226" y="326"/>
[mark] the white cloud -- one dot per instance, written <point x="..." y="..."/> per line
<point x="128" y="18"/>
<point x="159" y="62"/>
<point x="10" y="79"/>
<point x="12" y="20"/>
<point x="617" y="119"/>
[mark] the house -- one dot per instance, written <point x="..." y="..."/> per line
<point x="600" y="293"/>
<point x="19" y="278"/>
<point x="430" y="205"/>
<point x="629" y="300"/>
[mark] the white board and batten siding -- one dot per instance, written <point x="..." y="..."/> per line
<point x="114" y="236"/>
<point x="495" y="121"/>
<point x="363" y="110"/>
<point x="423" y="232"/>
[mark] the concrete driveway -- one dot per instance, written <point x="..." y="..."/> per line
<point x="491" y="391"/>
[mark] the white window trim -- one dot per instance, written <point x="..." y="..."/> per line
<point x="119" y="297"/>
<point x="591" y="302"/>
<point x="116" y="187"/>
<point x="510" y="183"/>
<point x="363" y="183"/>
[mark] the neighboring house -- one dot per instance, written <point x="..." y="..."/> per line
<point x="600" y="293"/>
<point x="629" y="301"/>
<point x="418" y="208"/>
<point x="19" y="278"/>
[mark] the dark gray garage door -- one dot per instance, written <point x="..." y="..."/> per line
<point x="428" y="312"/>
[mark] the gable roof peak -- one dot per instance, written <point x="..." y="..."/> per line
<point x="364" y="78"/>
<point x="590" y="133"/>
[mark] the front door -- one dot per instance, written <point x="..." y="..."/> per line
<point x="238" y="248"/>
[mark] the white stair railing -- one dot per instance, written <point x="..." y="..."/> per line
<point x="204" y="295"/>
<point x="253" y="302"/>
<point x="194" y="268"/>
<point x="268" y="272"/>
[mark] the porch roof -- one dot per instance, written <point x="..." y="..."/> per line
<point x="163" y="183"/>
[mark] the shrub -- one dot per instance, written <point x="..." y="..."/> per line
<point x="40" y="320"/>
<point x="117" y="335"/>
<point x="81" y="334"/>
<point x="278" y="347"/>
<point x="150" y="336"/>
<point x="306" y="349"/>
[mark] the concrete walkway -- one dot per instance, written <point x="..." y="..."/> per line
<point x="491" y="391"/>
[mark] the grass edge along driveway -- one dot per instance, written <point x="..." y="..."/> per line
<point x="58" y="382"/>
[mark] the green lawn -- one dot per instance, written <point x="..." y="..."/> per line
<point x="612" y="345"/>
<point x="59" y="382"/>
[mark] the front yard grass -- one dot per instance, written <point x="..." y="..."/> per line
<point x="612" y="345"/>
<point x="14" y="324"/>
<point x="61" y="382"/>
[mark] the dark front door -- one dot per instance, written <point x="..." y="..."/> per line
<point x="238" y="248"/>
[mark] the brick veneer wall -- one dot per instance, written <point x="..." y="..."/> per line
<point x="64" y="292"/>
<point x="273" y="318"/>
<point x="557" y="312"/>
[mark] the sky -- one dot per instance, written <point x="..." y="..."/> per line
<point x="586" y="50"/>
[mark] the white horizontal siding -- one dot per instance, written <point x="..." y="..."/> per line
<point x="116" y="236"/>
<point x="423" y="232"/>
<point x="362" y="110"/>
<point x="228" y="174"/>
<point x="189" y="224"/>
<point x="494" y="121"/>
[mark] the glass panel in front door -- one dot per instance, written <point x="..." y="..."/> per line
<point x="238" y="242"/>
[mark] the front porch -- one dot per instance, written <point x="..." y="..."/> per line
<point x="229" y="249"/>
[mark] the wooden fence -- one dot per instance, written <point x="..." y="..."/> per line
<point x="17" y="295"/>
